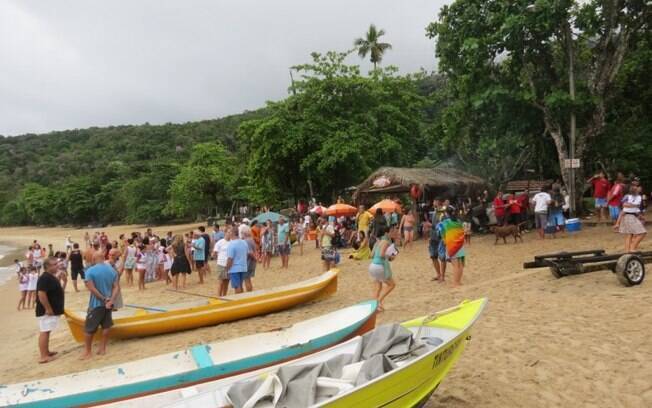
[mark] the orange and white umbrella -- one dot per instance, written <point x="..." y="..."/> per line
<point x="341" y="210"/>
<point x="387" y="206"/>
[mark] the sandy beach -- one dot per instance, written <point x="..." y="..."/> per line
<point x="580" y="341"/>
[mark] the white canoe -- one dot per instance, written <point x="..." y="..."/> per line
<point x="195" y="365"/>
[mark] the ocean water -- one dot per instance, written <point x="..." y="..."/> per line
<point x="6" y="272"/>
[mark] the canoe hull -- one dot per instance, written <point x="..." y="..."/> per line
<point x="54" y="393"/>
<point x="410" y="386"/>
<point x="213" y="313"/>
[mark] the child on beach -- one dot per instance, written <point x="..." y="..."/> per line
<point x="31" y="287"/>
<point x="467" y="230"/>
<point x="62" y="266"/>
<point x="23" y="280"/>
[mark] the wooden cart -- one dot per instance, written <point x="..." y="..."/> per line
<point x="628" y="267"/>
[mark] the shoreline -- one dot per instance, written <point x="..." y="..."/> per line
<point x="15" y="253"/>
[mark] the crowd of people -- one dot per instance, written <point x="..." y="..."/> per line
<point x="238" y="248"/>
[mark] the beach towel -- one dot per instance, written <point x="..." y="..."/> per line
<point x="453" y="236"/>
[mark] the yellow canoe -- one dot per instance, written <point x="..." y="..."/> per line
<point x="208" y="312"/>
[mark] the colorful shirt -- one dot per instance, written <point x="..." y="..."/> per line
<point x="453" y="236"/>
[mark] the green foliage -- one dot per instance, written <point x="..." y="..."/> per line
<point x="206" y="181"/>
<point x="107" y="175"/>
<point x="508" y="68"/>
<point x="335" y="129"/>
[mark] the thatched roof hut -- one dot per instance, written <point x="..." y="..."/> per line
<point x="440" y="181"/>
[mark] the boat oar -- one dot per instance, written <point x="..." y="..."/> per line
<point x="153" y="309"/>
<point x="199" y="294"/>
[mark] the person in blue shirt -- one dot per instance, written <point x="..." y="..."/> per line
<point x="236" y="264"/>
<point x="102" y="282"/>
<point x="217" y="234"/>
<point x="199" y="254"/>
<point x="283" y="239"/>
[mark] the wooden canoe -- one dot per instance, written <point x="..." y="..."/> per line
<point x="441" y="339"/>
<point x="207" y="312"/>
<point x="198" y="364"/>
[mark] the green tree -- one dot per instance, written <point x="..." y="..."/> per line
<point x="41" y="204"/>
<point x="371" y="44"/>
<point x="529" y="50"/>
<point x="338" y="127"/>
<point x="205" y="182"/>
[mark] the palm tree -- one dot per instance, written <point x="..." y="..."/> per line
<point x="370" y="45"/>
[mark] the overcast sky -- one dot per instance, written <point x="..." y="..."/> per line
<point x="74" y="64"/>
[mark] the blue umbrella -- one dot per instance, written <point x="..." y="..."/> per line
<point x="272" y="216"/>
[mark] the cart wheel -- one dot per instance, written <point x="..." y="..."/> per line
<point x="556" y="272"/>
<point x="630" y="270"/>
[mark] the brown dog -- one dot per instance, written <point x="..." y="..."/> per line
<point x="505" y="231"/>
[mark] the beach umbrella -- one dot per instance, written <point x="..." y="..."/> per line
<point x="318" y="209"/>
<point x="387" y="206"/>
<point x="341" y="210"/>
<point x="263" y="217"/>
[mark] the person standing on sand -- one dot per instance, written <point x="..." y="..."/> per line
<point x="615" y="197"/>
<point x="220" y="254"/>
<point x="328" y="253"/>
<point x="499" y="208"/>
<point x="541" y="201"/>
<point x="102" y="283"/>
<point x="207" y="250"/>
<point x="629" y="223"/>
<point x="452" y="234"/>
<point x="236" y="264"/>
<point x="199" y="254"/>
<point x="129" y="261"/>
<point x="283" y="240"/>
<point x="600" y="192"/>
<point x="76" y="265"/>
<point x="49" y="307"/>
<point x="380" y="269"/>
<point x="180" y="263"/>
<point x="362" y="220"/>
<point x="407" y="226"/>
<point x="251" y="258"/>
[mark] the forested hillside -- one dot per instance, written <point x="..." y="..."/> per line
<point x="120" y="173"/>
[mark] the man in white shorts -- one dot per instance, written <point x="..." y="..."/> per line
<point x="49" y="307"/>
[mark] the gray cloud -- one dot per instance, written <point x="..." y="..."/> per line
<point x="76" y="64"/>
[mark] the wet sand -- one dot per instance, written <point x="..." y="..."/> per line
<point x="542" y="342"/>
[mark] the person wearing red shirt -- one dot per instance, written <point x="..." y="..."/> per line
<point x="600" y="192"/>
<point x="615" y="196"/>
<point x="514" y="210"/>
<point x="499" y="208"/>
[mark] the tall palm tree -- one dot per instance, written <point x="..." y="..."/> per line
<point x="371" y="44"/>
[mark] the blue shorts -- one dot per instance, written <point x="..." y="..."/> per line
<point x="433" y="248"/>
<point x="556" y="218"/>
<point x="441" y="251"/>
<point x="237" y="278"/>
<point x="600" y="203"/>
<point x="614" y="212"/>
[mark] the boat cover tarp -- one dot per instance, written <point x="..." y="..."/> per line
<point x="304" y="385"/>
